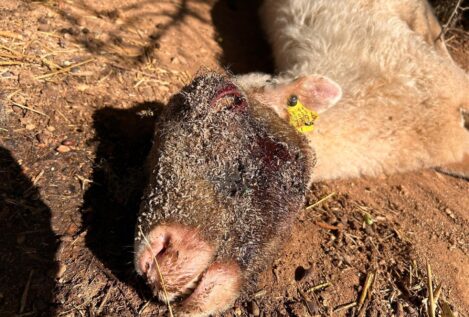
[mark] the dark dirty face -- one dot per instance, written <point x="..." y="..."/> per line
<point x="227" y="177"/>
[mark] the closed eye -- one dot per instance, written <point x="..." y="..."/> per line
<point x="229" y="97"/>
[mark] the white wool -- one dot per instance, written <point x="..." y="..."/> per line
<point x="402" y="92"/>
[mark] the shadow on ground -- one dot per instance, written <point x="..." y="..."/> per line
<point x="240" y="36"/>
<point x="27" y="244"/>
<point x="124" y="138"/>
<point x="129" y="16"/>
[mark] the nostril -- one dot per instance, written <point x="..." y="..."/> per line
<point x="162" y="251"/>
<point x="147" y="266"/>
<point x="145" y="263"/>
<point x="154" y="251"/>
<point x="175" y="256"/>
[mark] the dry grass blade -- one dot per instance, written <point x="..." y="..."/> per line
<point x="9" y="49"/>
<point x="400" y="310"/>
<point x="410" y="275"/>
<point x="346" y="306"/>
<point x="450" y="20"/>
<point x="260" y="293"/>
<point x="10" y="35"/>
<point x="431" y="302"/>
<point x="326" y="225"/>
<point x="163" y="285"/>
<point x="10" y="63"/>
<point x="13" y="94"/>
<point x="50" y="64"/>
<point x="139" y="82"/>
<point x="320" y="201"/>
<point x="143" y="307"/>
<point x="30" y="109"/>
<point x="368" y="282"/>
<point x="104" y="301"/>
<point x="8" y="55"/>
<point x="319" y="286"/>
<point x="65" y="69"/>
<point x="436" y="294"/>
<point x="36" y="178"/>
<point x="306" y="303"/>
<point x="415" y="268"/>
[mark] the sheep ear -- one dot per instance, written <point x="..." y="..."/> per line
<point x="318" y="93"/>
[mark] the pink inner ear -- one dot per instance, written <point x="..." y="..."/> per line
<point x="319" y="93"/>
<point x="326" y="90"/>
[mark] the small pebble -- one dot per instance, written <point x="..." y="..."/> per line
<point x="63" y="149"/>
<point x="30" y="127"/>
<point x="450" y="213"/>
<point x="7" y="74"/>
<point x="42" y="20"/>
<point x="348" y="259"/>
<point x="369" y="230"/>
<point x="298" y="309"/>
<point x="182" y="60"/>
<point x="72" y="229"/>
<point x="16" y="109"/>
<point x="254" y="309"/>
<point x="312" y="307"/>
<point x="43" y="28"/>
<point x="62" y="43"/>
<point x="42" y="138"/>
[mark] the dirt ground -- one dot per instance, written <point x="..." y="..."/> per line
<point x="82" y="82"/>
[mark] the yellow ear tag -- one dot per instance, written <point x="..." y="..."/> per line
<point x="300" y="117"/>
